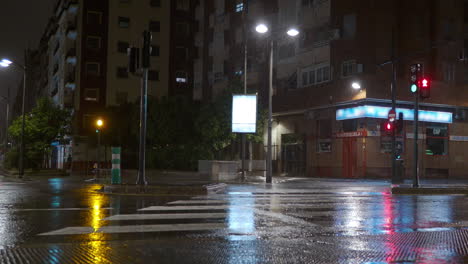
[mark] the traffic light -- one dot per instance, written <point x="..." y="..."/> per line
<point x="387" y="128"/>
<point x="424" y="87"/>
<point x="146" y="49"/>
<point x="399" y="126"/>
<point x="416" y="71"/>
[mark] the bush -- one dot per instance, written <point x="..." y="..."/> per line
<point x="11" y="159"/>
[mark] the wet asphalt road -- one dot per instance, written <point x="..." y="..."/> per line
<point x="296" y="221"/>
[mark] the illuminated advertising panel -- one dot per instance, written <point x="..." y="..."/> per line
<point x="244" y="113"/>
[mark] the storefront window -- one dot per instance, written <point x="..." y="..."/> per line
<point x="324" y="136"/>
<point x="437" y="139"/>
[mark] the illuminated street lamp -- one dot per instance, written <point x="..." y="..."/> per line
<point x="5" y="63"/>
<point x="99" y="125"/>
<point x="292" y="32"/>
<point x="356" y="86"/>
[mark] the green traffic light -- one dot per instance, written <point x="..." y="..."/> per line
<point x="414" y="88"/>
<point x="97" y="130"/>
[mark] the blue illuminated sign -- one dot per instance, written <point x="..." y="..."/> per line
<point x="370" y="111"/>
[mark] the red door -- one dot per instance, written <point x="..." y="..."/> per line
<point x="349" y="158"/>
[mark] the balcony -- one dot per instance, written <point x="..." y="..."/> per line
<point x="72" y="32"/>
<point x="73" y="7"/>
<point x="70" y="81"/>
<point x="71" y="56"/>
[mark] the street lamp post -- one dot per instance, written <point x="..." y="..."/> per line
<point x="99" y="124"/>
<point x="7" y="100"/>
<point x="7" y="63"/>
<point x="292" y="32"/>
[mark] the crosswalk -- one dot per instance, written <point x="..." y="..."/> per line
<point x="234" y="212"/>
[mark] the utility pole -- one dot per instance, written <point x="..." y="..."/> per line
<point x="244" y="18"/>
<point x="270" y="116"/>
<point x="146" y="55"/>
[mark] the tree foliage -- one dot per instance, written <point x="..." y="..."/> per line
<point x="180" y="131"/>
<point x="46" y="123"/>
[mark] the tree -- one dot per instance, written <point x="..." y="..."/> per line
<point x="46" y="123"/>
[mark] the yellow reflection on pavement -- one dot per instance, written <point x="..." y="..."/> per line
<point x="98" y="247"/>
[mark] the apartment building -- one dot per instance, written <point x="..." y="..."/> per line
<point x="322" y="125"/>
<point x="87" y="59"/>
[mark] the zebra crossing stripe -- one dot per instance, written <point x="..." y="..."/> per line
<point x="182" y="208"/>
<point x="165" y="216"/>
<point x="226" y="207"/>
<point x="136" y="229"/>
<point x="275" y="199"/>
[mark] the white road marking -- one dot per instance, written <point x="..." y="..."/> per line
<point x="182" y="208"/>
<point x="165" y="216"/>
<point x="135" y="229"/>
<point x="77" y="230"/>
<point x="275" y="199"/>
<point x="226" y="207"/>
<point x="57" y="209"/>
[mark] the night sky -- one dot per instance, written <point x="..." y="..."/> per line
<point x="21" y="25"/>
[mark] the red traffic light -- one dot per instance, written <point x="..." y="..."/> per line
<point x="424" y="83"/>
<point x="425" y="87"/>
<point x="389" y="126"/>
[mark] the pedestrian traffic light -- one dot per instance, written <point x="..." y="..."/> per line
<point x="387" y="128"/>
<point x="415" y="75"/>
<point x="425" y="87"/>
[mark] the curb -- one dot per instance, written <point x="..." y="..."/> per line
<point x="429" y="191"/>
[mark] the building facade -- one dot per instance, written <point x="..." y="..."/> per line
<point x="87" y="61"/>
<point x="323" y="126"/>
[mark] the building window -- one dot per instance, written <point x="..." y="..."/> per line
<point x="324" y="131"/>
<point x="91" y="94"/>
<point x="307" y="3"/>
<point x="154" y="26"/>
<point x="348" y="68"/>
<point x="153" y="75"/>
<point x="181" y="77"/>
<point x="287" y="51"/>
<point x="93" y="42"/>
<point x="239" y="6"/>
<point x="155" y="51"/>
<point x="124" y="22"/>
<point x="92" y="68"/>
<point x="182" y="29"/>
<point x="315" y="75"/>
<point x="155" y="3"/>
<point x="437" y="139"/>
<point x="122" y="72"/>
<point x="183" y="5"/>
<point x="349" y="26"/>
<point x="94" y="18"/>
<point x="122" y="46"/>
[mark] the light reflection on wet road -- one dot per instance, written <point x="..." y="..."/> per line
<point x="294" y="222"/>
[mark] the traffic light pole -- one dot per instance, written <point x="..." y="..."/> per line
<point x="143" y="106"/>
<point x="394" y="180"/>
<point x="416" y="123"/>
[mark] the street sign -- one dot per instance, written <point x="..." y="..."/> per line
<point x="391" y="115"/>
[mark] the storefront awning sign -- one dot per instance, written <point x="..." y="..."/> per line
<point x="370" y="111"/>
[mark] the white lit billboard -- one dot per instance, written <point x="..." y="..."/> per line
<point x="244" y="113"/>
